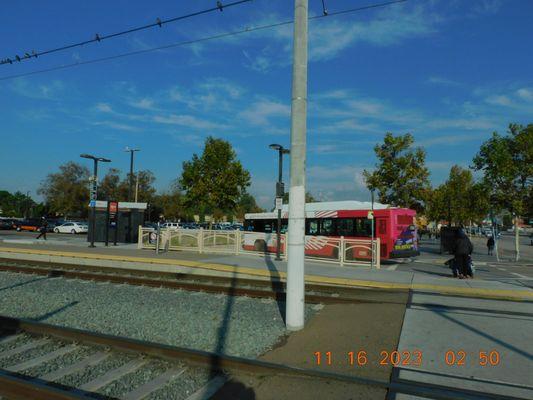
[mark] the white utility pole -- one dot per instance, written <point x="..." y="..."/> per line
<point x="296" y="237"/>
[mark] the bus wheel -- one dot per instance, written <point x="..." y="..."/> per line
<point x="260" y="245"/>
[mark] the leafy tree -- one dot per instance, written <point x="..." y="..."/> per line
<point x="247" y="204"/>
<point x="67" y="192"/>
<point x="113" y="187"/>
<point x="109" y="187"/>
<point x="459" y="200"/>
<point x="15" y="205"/>
<point x="507" y="165"/>
<point x="216" y="180"/>
<point x="309" y="198"/>
<point x="400" y="177"/>
<point x="170" y="205"/>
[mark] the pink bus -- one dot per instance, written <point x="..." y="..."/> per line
<point x="395" y="227"/>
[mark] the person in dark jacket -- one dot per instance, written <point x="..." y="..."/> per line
<point x="490" y="245"/>
<point x="462" y="250"/>
<point x="43" y="228"/>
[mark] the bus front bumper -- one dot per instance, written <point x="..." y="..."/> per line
<point x="404" y="253"/>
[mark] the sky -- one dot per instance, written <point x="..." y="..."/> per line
<point x="450" y="72"/>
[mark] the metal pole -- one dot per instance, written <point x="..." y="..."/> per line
<point x="296" y="238"/>
<point x="372" y="224"/>
<point x="280" y="179"/>
<point x="107" y="224"/>
<point x="130" y="188"/>
<point x="93" y="209"/>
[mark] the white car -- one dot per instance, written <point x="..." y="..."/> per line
<point x="171" y="225"/>
<point x="72" y="227"/>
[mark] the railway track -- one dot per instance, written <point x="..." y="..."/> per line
<point x="28" y="347"/>
<point x="233" y="286"/>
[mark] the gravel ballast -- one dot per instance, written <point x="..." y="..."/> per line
<point x="239" y="326"/>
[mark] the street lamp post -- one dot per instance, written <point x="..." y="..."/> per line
<point x="279" y="193"/>
<point x="130" y="187"/>
<point x="94" y="194"/>
<point x="372" y="227"/>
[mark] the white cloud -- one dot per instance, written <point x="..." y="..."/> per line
<point x="261" y="111"/>
<point x="483" y="7"/>
<point x="144" y="103"/>
<point x="187" y="120"/>
<point x="50" y="91"/>
<point x="525" y="94"/>
<point x="117" y="125"/>
<point x="104" y="107"/>
<point x="499" y="100"/>
<point x="439" y="80"/>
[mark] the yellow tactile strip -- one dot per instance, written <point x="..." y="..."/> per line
<point x="503" y="294"/>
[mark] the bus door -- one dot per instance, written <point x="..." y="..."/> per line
<point x="381" y="228"/>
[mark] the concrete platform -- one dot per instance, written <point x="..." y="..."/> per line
<point x="266" y="267"/>
<point x="437" y="324"/>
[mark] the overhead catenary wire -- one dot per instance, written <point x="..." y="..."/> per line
<point x="199" y="40"/>
<point x="98" y="38"/>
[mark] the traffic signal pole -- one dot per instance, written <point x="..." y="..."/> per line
<point x="296" y="236"/>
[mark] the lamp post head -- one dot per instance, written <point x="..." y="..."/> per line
<point x="128" y="150"/>
<point x="275" y="146"/>
<point x="84" y="155"/>
<point x="104" y="159"/>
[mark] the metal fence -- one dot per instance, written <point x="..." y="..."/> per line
<point x="340" y="251"/>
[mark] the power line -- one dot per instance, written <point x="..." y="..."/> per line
<point x="204" y="39"/>
<point x="98" y="38"/>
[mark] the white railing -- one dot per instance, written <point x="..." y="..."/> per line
<point x="334" y="250"/>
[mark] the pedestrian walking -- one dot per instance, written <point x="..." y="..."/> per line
<point x="462" y="250"/>
<point x="43" y="228"/>
<point x="490" y="245"/>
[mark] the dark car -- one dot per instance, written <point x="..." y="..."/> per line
<point x="7" y="223"/>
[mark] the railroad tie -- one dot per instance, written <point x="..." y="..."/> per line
<point x="9" y="339"/>
<point x="144" y="390"/>
<point x="113" y="375"/>
<point x="40" y="360"/>
<point x="70" y="369"/>
<point x="23" y="348"/>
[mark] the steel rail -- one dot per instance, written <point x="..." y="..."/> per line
<point x="227" y="286"/>
<point x="221" y="362"/>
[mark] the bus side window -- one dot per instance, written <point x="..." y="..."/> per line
<point x="311" y="227"/>
<point x="345" y="227"/>
<point x="363" y="227"/>
<point x="327" y="227"/>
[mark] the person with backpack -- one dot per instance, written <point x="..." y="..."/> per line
<point x="43" y="228"/>
<point x="462" y="250"/>
<point x="490" y="245"/>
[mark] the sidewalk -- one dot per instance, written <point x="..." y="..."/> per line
<point x="262" y="266"/>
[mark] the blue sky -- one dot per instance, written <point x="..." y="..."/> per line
<point x="448" y="71"/>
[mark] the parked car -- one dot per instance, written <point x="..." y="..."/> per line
<point x="170" y="225"/>
<point x="31" y="225"/>
<point x="72" y="227"/>
<point x="7" y="223"/>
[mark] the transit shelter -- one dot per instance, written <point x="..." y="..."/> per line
<point x="116" y="218"/>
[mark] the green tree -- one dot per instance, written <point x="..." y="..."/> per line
<point x="67" y="192"/>
<point x="400" y="177"/>
<point x="170" y="205"/>
<point x="109" y="187"/>
<point x="247" y="204"/>
<point x="16" y="205"/>
<point x="459" y="200"/>
<point x="507" y="165"/>
<point x="216" y="180"/>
